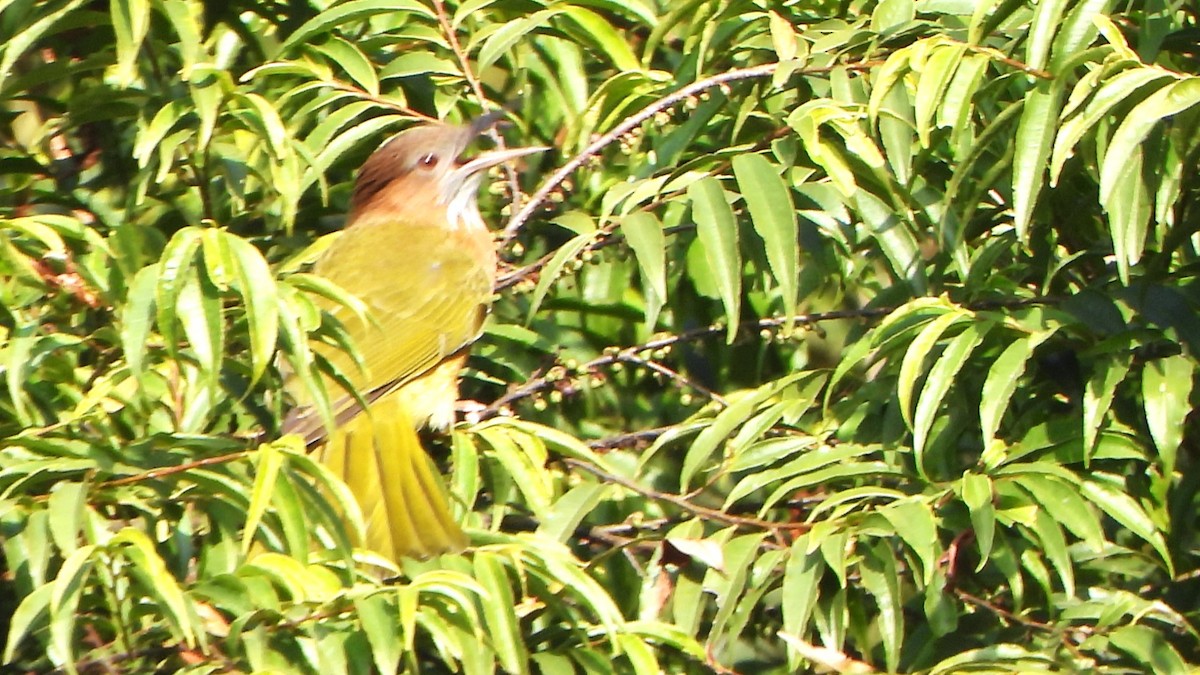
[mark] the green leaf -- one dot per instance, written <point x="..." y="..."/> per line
<point x="256" y="285"/>
<point x="938" y="382"/>
<point x="600" y="31"/>
<point x="1060" y="499"/>
<point x="895" y="237"/>
<point x="1054" y="547"/>
<point x="643" y="232"/>
<point x="1002" y="379"/>
<point x="1077" y="31"/>
<point x="21" y="341"/>
<point x="1168" y="101"/>
<point x="380" y="623"/>
<point x="33" y="608"/>
<point x="1166" y="390"/>
<point x="1128" y="208"/>
<point x="1150" y="648"/>
<point x="1123" y="509"/>
<point x="265" y="119"/>
<point x="935" y="76"/>
<point x="881" y="579"/>
<point x="977" y="495"/>
<point x="914" y="359"/>
<point x="801" y="577"/>
<point x="1107" y="373"/>
<point x="565" y="254"/>
<point x="346" y="12"/>
<point x="774" y="218"/>
<point x="499" y="614"/>
<point x="510" y="33"/>
<point x="1035" y="134"/>
<point x="66" y="506"/>
<point x="739" y="554"/>
<point x="68" y="590"/>
<point x="569" y="510"/>
<point x="1124" y="86"/>
<point x="30" y="33"/>
<point x="131" y="22"/>
<point x="1047" y="17"/>
<point x="268" y="461"/>
<point x="353" y="61"/>
<point x="717" y="230"/>
<point x="150" y="136"/>
<point x="914" y="522"/>
<point x="721" y="429"/>
<point x="162" y="585"/>
<point x="198" y="308"/>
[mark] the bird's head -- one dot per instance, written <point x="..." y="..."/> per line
<point x="423" y="167"/>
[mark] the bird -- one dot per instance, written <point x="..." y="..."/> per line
<point x="417" y="253"/>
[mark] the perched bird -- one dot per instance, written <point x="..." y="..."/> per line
<point x="417" y="253"/>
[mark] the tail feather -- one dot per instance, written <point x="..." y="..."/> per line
<point x="379" y="456"/>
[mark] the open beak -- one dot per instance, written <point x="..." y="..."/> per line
<point x="487" y="160"/>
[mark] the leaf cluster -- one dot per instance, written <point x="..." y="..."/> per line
<point x="853" y="335"/>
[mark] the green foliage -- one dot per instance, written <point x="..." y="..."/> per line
<point x="856" y="335"/>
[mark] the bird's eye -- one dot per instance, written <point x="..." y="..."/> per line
<point x="429" y="160"/>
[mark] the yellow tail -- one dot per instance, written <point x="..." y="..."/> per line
<point x="379" y="456"/>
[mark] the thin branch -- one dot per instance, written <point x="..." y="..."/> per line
<point x="553" y="377"/>
<point x="172" y="470"/>
<point x="626" y="440"/>
<point x="997" y="55"/>
<point x="656" y="367"/>
<point x="685" y="504"/>
<point x="379" y="100"/>
<point x="636" y="120"/>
